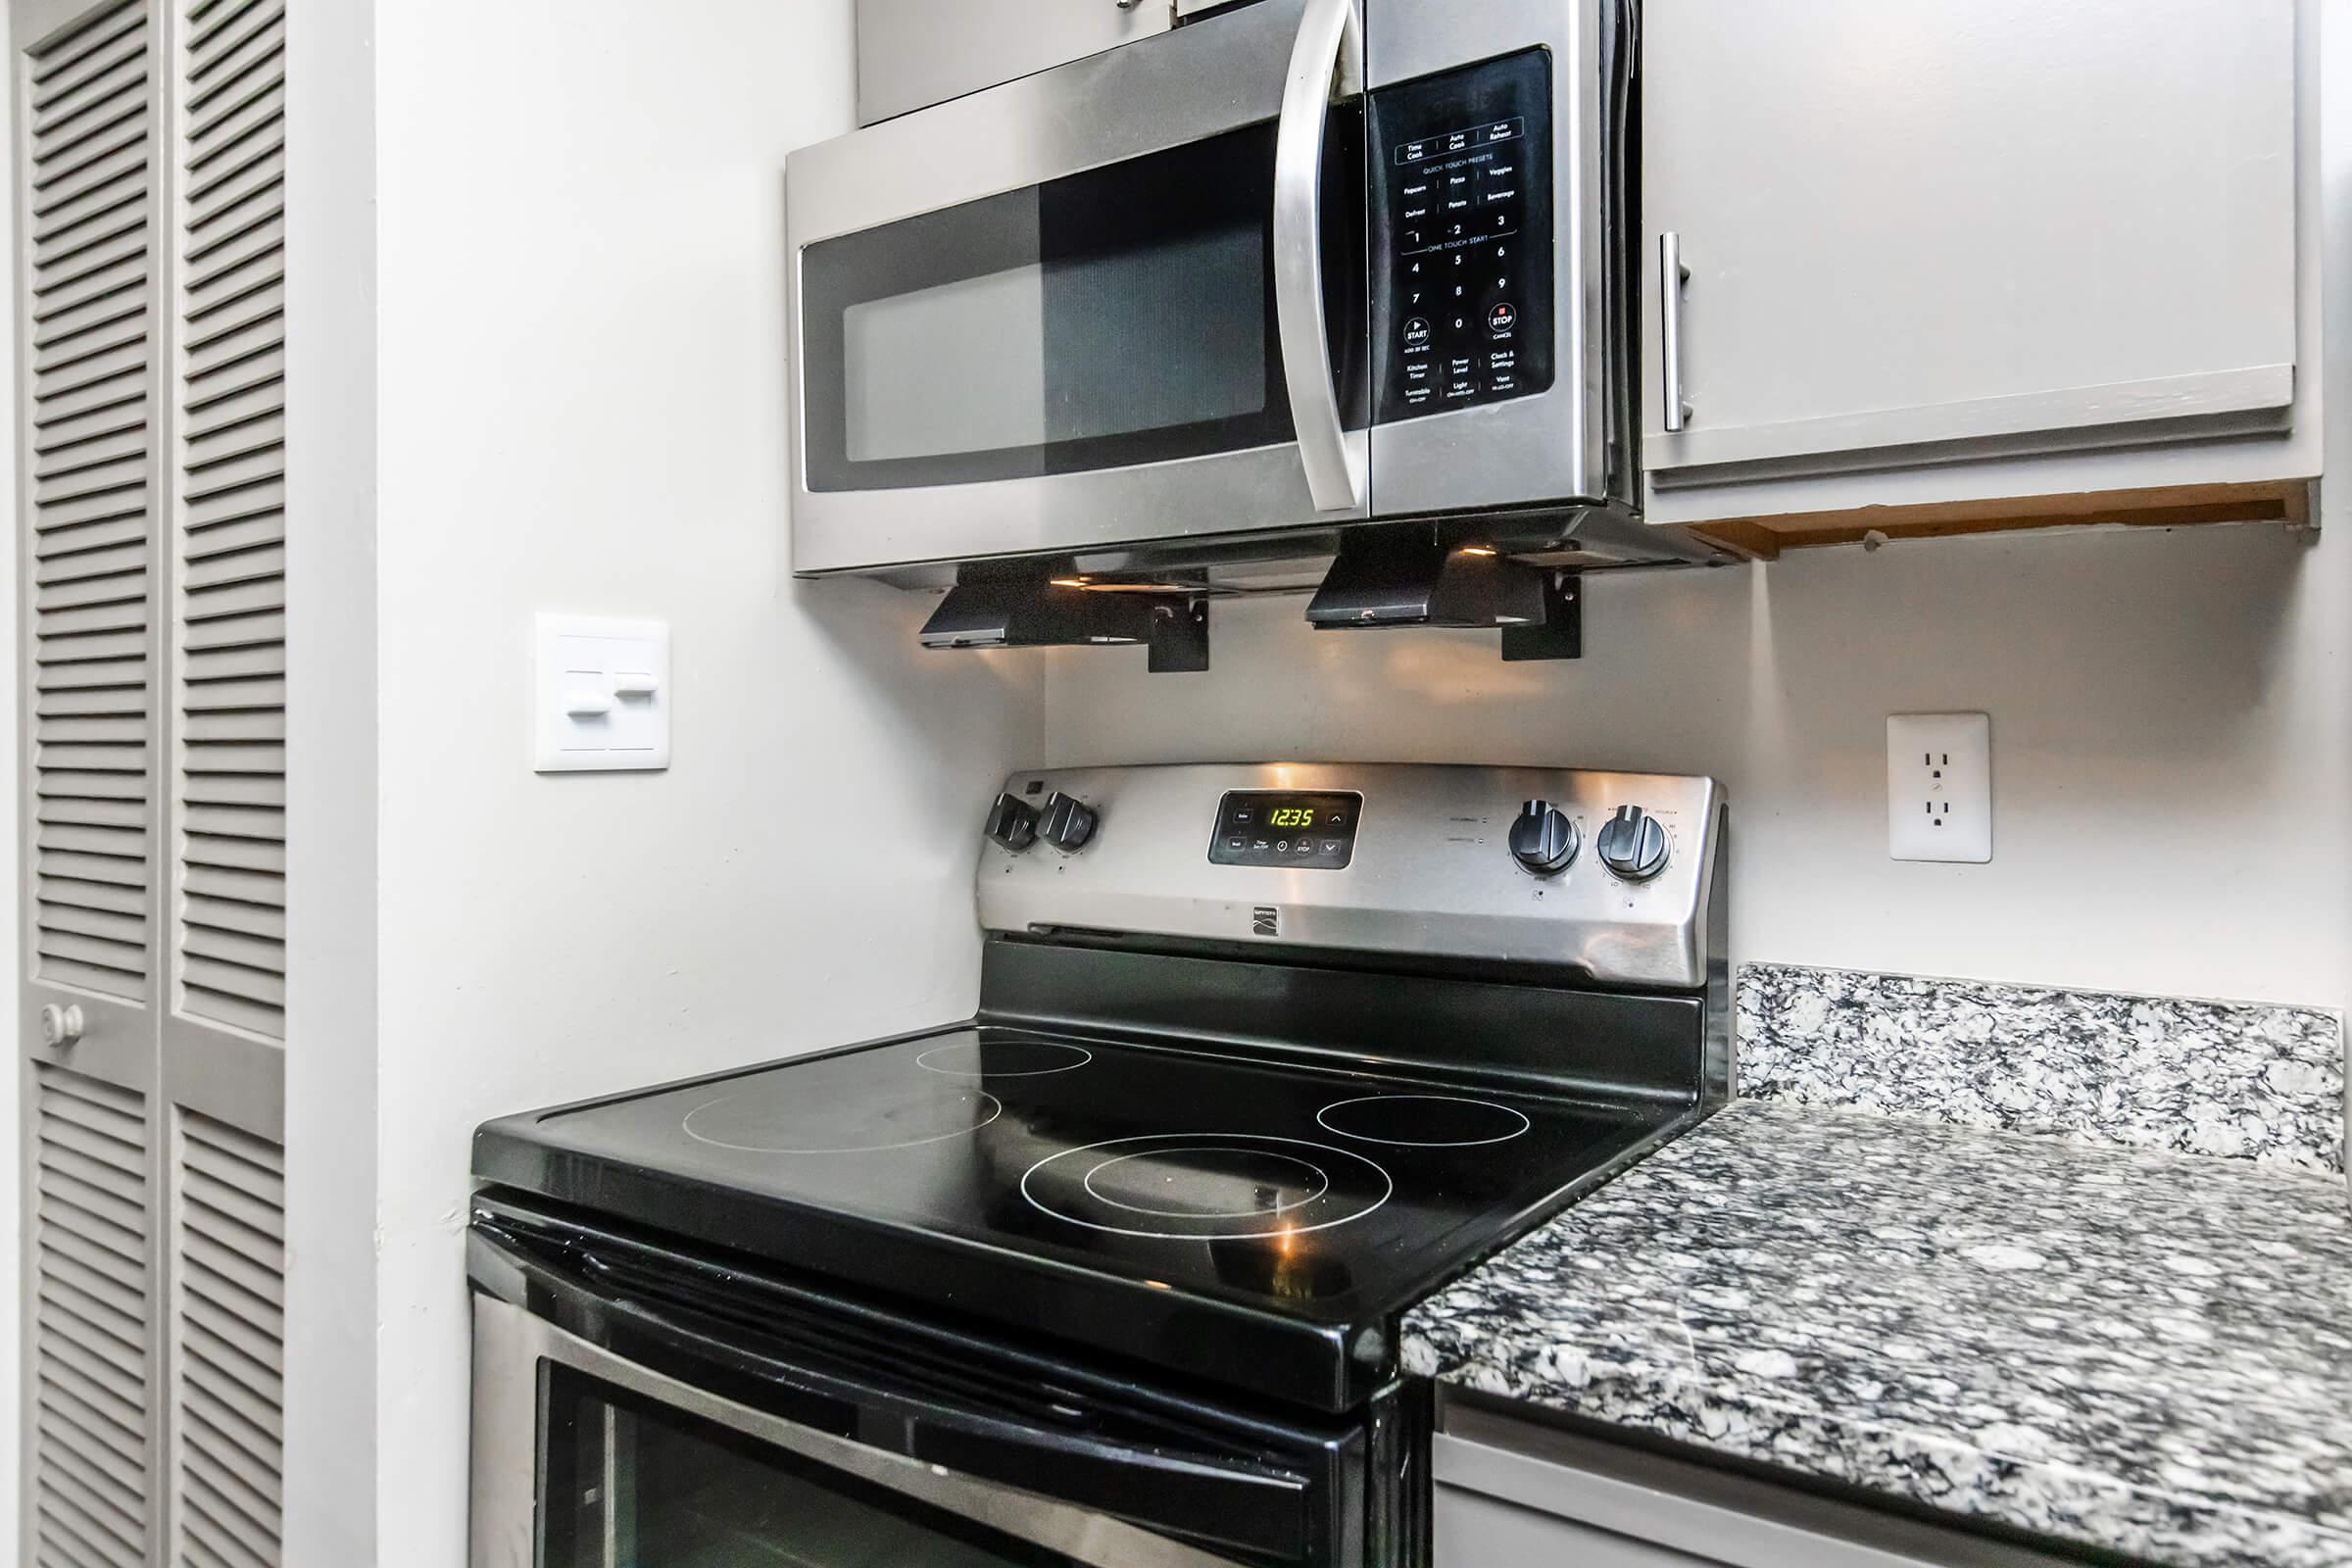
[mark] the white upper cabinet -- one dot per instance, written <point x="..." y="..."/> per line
<point x="1932" y="229"/>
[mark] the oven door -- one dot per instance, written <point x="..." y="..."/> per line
<point x="585" y="1460"/>
<point x="1120" y="299"/>
<point x="635" y="1408"/>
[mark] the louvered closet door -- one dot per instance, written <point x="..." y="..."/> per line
<point x="149" y="152"/>
<point x="225" y="1027"/>
<point x="90" y="159"/>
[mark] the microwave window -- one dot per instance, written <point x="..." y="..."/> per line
<point x="1033" y="356"/>
<point x="1112" y="318"/>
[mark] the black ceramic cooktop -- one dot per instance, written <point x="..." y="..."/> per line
<point x="1191" y="1205"/>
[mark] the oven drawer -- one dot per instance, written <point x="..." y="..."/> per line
<point x="637" y="1406"/>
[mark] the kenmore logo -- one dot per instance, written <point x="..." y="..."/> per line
<point x="1265" y="921"/>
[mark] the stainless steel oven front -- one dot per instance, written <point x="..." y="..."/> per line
<point x="1296" y="263"/>
<point x="639" y="1408"/>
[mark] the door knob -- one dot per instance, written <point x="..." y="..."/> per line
<point x="60" y="1026"/>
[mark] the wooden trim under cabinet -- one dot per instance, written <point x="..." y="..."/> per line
<point x="1763" y="538"/>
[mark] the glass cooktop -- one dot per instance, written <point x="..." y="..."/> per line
<point x="1316" y="1193"/>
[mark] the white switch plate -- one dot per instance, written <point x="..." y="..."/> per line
<point x="1940" y="786"/>
<point x="601" y="695"/>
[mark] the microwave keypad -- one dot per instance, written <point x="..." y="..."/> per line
<point x="1463" y="259"/>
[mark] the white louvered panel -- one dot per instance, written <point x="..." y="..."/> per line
<point x="89" y="1393"/>
<point x="229" y="1259"/>
<point x="232" y="688"/>
<point x="88" y="199"/>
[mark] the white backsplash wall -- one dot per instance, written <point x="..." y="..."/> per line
<point x="2172" y="728"/>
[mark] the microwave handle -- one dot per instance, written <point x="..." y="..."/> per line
<point x="1330" y="44"/>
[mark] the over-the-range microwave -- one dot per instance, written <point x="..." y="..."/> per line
<point x="1217" y="295"/>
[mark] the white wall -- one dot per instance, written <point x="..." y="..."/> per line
<point x="581" y="341"/>
<point x="332" y="786"/>
<point x="2171" y="726"/>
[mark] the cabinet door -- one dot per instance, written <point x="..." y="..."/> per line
<point x="1966" y="227"/>
<point x="91" y="443"/>
<point x="150" y="264"/>
<point x="1479" y="1532"/>
<point x="917" y="52"/>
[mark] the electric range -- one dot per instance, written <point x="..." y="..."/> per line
<point x="1110" y="1273"/>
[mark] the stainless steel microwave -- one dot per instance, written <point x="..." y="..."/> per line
<point x="1293" y="265"/>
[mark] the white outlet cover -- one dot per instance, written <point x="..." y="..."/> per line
<point x="600" y="695"/>
<point x="1940" y="786"/>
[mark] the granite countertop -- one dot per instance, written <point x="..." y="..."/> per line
<point x="2144" y="1351"/>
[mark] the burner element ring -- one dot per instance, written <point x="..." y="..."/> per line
<point x="986" y="1108"/>
<point x="1486" y="1123"/>
<point x="1069" y="1187"/>
<point x="967" y="1059"/>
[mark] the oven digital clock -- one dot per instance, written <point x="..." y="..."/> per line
<point x="1310" y="831"/>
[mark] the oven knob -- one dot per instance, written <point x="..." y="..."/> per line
<point x="1633" y="845"/>
<point x="1013" y="822"/>
<point x="1067" y="824"/>
<point x="1543" y="840"/>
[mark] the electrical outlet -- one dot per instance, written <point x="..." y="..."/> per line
<point x="1940" y="786"/>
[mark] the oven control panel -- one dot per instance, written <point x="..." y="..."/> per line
<point x="1619" y="874"/>
<point x="1314" y="832"/>
<point x="1461" y="237"/>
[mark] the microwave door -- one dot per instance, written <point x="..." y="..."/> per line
<point x="1493" y="370"/>
<point x="1083" y="307"/>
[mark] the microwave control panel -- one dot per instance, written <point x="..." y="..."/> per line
<point x="1461" y="174"/>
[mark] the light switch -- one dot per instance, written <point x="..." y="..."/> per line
<point x="601" y="695"/>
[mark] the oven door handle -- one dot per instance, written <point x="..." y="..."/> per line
<point x="940" y="1452"/>
<point x="1328" y="52"/>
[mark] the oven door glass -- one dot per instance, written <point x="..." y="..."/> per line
<point x="633" y="1484"/>
<point x="1114" y="317"/>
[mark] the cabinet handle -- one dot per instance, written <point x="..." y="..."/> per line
<point x="1672" y="275"/>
